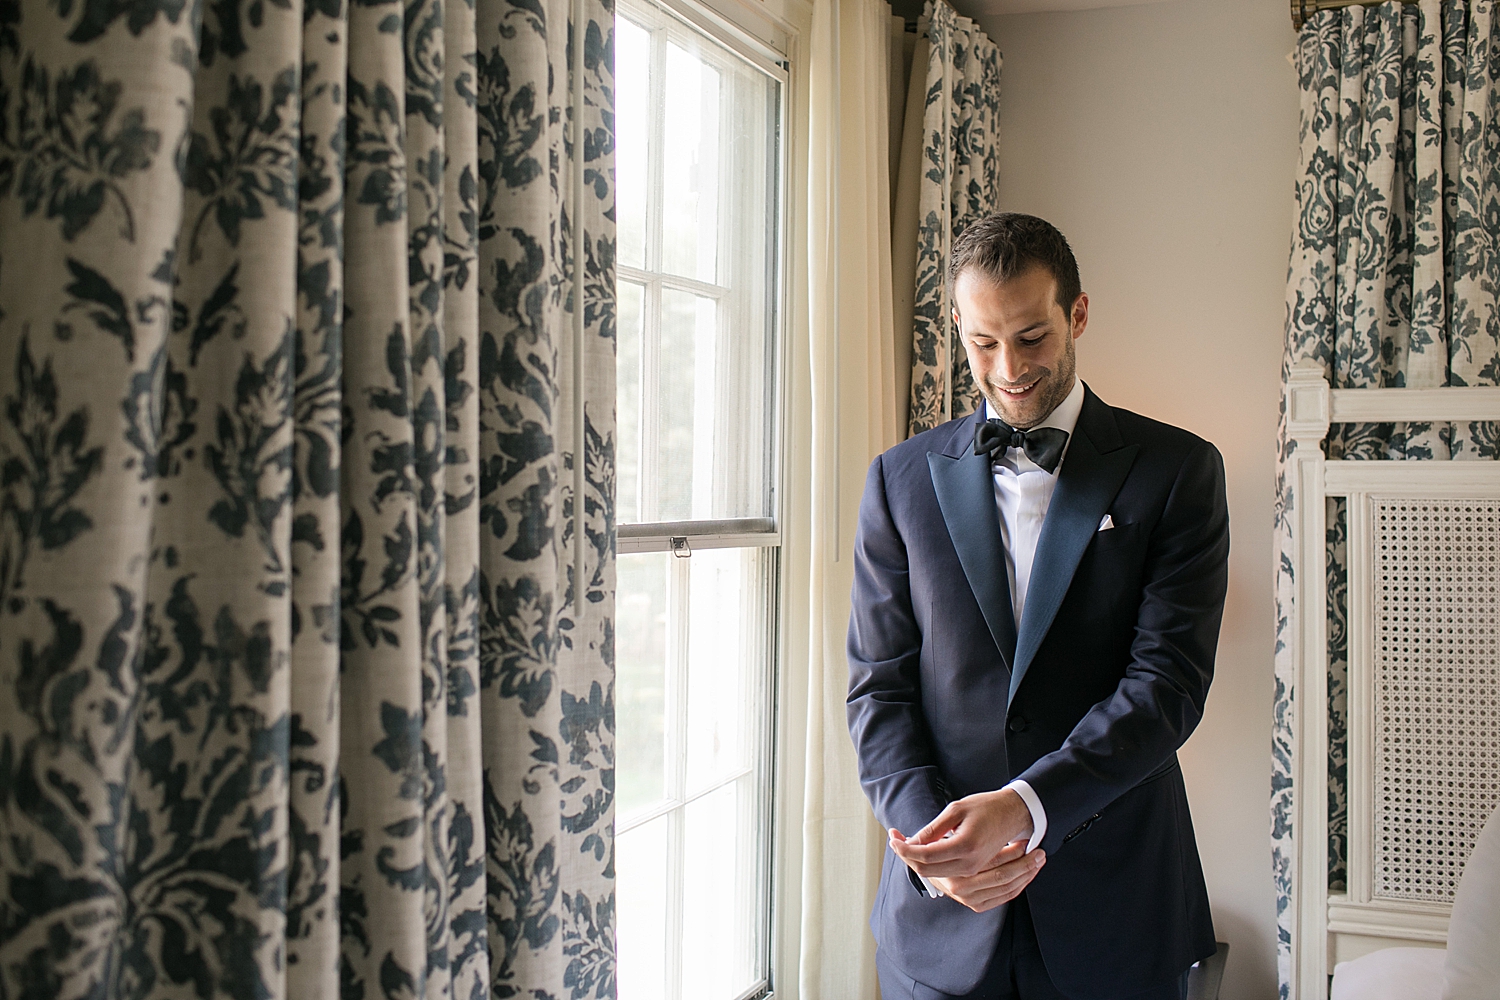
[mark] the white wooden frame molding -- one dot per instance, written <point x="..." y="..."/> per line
<point x="1329" y="928"/>
<point x="1360" y="406"/>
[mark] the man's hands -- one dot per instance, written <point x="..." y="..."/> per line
<point x="975" y="850"/>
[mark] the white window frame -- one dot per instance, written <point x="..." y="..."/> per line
<point x="768" y="54"/>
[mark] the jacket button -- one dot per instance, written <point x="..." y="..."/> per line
<point x="1017" y="724"/>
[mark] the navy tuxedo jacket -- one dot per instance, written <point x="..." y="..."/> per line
<point x="1087" y="698"/>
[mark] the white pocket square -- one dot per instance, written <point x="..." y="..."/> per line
<point x="1107" y="523"/>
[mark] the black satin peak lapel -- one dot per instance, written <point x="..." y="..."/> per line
<point x="966" y="494"/>
<point x="1093" y="471"/>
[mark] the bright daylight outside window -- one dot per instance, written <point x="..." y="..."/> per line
<point x="698" y="175"/>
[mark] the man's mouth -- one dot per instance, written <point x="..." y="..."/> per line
<point x="1017" y="393"/>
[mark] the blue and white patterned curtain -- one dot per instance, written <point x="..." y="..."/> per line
<point x="306" y="436"/>
<point x="1395" y="272"/>
<point x="960" y="182"/>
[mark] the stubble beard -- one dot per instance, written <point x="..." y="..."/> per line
<point x="1053" y="390"/>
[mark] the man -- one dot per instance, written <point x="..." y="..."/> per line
<point x="1037" y="596"/>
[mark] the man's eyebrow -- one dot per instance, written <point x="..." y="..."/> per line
<point x="1038" y="325"/>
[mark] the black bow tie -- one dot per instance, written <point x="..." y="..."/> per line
<point x="1043" y="445"/>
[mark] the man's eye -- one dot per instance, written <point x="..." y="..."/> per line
<point x="1033" y="342"/>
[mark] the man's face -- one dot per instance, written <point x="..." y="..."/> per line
<point x="1019" y="342"/>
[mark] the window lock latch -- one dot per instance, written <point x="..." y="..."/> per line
<point x="680" y="547"/>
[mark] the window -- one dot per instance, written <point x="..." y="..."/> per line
<point x="698" y="174"/>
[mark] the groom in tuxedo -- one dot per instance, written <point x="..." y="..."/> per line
<point x="1038" y="589"/>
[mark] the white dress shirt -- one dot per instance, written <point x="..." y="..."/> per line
<point x="1023" y="492"/>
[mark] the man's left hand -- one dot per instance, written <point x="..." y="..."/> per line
<point x="999" y="884"/>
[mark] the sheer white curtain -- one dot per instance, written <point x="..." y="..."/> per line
<point x="845" y="411"/>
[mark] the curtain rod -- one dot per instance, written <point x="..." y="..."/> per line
<point x="1304" y="9"/>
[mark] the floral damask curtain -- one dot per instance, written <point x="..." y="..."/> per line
<point x="306" y="499"/>
<point x="959" y="183"/>
<point x="1395" y="273"/>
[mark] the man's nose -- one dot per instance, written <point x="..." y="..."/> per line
<point x="1010" y="366"/>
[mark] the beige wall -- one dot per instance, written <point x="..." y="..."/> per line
<point x="1162" y="139"/>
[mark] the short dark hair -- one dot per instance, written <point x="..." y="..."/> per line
<point x="1006" y="244"/>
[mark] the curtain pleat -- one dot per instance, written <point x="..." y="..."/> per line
<point x="1393" y="282"/>
<point x="306" y="434"/>
<point x="314" y="872"/>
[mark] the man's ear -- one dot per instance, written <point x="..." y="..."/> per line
<point x="1080" y="317"/>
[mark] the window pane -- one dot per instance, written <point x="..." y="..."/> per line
<point x="643" y="883"/>
<point x="685" y="463"/>
<point x="721" y="929"/>
<point x="628" y="402"/>
<point x="641" y="678"/>
<point x="726" y="654"/>
<point x="691" y="167"/>
<point x="632" y="128"/>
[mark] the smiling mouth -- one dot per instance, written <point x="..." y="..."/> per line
<point x="1021" y="391"/>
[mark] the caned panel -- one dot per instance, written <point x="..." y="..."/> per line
<point x="1436" y="691"/>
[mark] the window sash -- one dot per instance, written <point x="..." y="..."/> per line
<point x="730" y="533"/>
<point x="685" y="22"/>
<point x="752" y="776"/>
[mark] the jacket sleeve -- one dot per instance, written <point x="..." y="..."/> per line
<point x="897" y="765"/>
<point x="1159" y="701"/>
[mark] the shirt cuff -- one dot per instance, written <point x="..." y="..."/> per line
<point x="1034" y="806"/>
